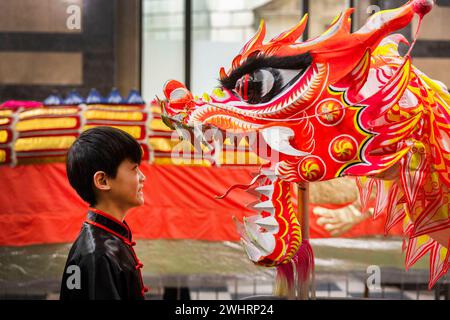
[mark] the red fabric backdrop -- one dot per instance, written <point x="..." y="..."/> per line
<point x="38" y="205"/>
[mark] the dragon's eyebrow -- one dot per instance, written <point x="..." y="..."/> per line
<point x="300" y="61"/>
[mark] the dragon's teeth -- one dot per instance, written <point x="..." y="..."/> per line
<point x="264" y="205"/>
<point x="269" y="173"/>
<point x="267" y="222"/>
<point x="265" y="190"/>
<point x="290" y="100"/>
<point x="261" y="240"/>
<point x="253" y="253"/>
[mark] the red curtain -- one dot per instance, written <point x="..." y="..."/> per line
<point x="38" y="205"/>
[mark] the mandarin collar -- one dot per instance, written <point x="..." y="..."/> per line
<point x="109" y="223"/>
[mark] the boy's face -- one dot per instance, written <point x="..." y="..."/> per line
<point x="126" y="187"/>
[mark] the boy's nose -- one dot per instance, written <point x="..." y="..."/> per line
<point x="141" y="176"/>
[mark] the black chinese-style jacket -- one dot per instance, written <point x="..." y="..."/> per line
<point x="102" y="264"/>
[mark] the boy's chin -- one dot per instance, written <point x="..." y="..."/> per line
<point x="140" y="201"/>
<point x="137" y="202"/>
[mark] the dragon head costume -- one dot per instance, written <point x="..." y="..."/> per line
<point x="341" y="104"/>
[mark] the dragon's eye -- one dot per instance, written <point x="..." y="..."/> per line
<point x="263" y="84"/>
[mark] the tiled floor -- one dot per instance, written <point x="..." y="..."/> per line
<point x="411" y="286"/>
<point x="328" y="287"/>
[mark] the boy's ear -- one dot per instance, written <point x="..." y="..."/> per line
<point x="101" y="181"/>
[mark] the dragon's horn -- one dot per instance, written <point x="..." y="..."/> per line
<point x="338" y="28"/>
<point x="222" y="73"/>
<point x="292" y="34"/>
<point x="341" y="23"/>
<point x="257" y="39"/>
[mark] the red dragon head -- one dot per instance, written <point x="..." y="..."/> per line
<point x="341" y="104"/>
<point x="282" y="77"/>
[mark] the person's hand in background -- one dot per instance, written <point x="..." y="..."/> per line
<point x="339" y="221"/>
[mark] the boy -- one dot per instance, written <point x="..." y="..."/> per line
<point x="102" y="166"/>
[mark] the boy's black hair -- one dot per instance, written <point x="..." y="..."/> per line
<point x="99" y="149"/>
